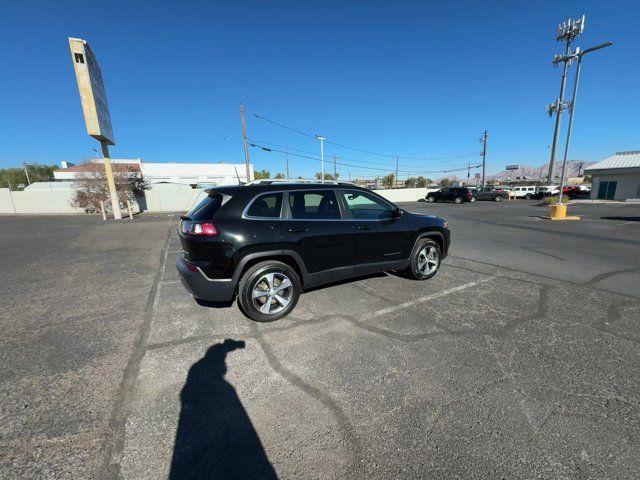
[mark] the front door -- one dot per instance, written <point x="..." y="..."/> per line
<point x="382" y="240"/>
<point x="314" y="229"/>
<point x="607" y="190"/>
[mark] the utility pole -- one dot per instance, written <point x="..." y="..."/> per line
<point x="396" y="179"/>
<point x="246" y="143"/>
<point x="567" y="31"/>
<point x="335" y="172"/>
<point x="322" y="139"/>
<point x="484" y="158"/>
<point x="468" y="172"/>
<point x="287" y="156"/>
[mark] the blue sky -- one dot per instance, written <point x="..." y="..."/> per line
<point x="417" y="78"/>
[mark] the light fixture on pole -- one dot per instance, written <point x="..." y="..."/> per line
<point x="572" y="105"/>
<point x="322" y="139"/>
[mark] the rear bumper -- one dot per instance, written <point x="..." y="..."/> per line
<point x="202" y="287"/>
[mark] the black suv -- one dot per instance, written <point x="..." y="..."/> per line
<point x="451" y="194"/>
<point x="268" y="241"/>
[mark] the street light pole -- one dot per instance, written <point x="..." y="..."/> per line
<point x="26" y="172"/>
<point x="572" y="109"/>
<point x="322" y="139"/>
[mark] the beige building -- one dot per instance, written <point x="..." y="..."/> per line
<point x="616" y="177"/>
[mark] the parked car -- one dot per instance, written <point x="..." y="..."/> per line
<point x="266" y="242"/>
<point x="490" y="193"/>
<point x="451" y="194"/>
<point x="524" y="191"/>
<point x="547" y="190"/>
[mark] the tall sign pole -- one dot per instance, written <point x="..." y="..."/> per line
<point x="246" y="143"/>
<point x="95" y="108"/>
<point x="287" y="155"/>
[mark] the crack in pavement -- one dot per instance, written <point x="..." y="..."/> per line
<point x="355" y="450"/>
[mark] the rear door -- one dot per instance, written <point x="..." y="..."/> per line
<point x="382" y="240"/>
<point x="314" y="228"/>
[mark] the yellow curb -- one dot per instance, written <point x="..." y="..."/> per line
<point x="568" y="217"/>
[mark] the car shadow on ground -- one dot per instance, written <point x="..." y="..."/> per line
<point x="622" y="219"/>
<point x="215" y="437"/>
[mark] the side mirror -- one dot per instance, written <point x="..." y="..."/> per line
<point x="397" y="212"/>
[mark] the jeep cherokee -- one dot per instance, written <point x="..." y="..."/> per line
<point x="265" y="242"/>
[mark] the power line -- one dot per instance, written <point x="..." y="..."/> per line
<point x="367" y="162"/>
<point x="369" y="152"/>
<point x="457" y="169"/>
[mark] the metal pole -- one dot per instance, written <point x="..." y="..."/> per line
<point x="396" y="179"/>
<point x="559" y="108"/>
<point x="335" y="171"/>
<point x="570" y="126"/>
<point x="287" y="155"/>
<point x="246" y="143"/>
<point x="484" y="159"/>
<point x="113" y="193"/>
<point x="26" y="171"/>
<point x="322" y="139"/>
<point x="13" y="204"/>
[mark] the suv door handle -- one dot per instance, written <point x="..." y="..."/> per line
<point x="363" y="228"/>
<point x="298" y="230"/>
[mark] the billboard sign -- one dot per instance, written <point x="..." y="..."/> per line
<point x="92" y="92"/>
<point x="512" y="167"/>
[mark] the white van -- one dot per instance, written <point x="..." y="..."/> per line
<point x="526" y="191"/>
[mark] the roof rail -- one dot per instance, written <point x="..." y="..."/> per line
<point x="269" y="181"/>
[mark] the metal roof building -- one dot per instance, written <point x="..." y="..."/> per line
<point x="616" y="177"/>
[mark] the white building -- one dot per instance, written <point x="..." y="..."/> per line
<point x="194" y="174"/>
<point x="616" y="177"/>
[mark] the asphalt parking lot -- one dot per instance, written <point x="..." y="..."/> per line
<point x="518" y="360"/>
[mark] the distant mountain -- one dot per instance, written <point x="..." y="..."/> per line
<point x="534" y="173"/>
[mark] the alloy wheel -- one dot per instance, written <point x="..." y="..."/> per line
<point x="428" y="260"/>
<point x="272" y="293"/>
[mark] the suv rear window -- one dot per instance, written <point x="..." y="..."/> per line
<point x="314" y="205"/>
<point x="207" y="208"/>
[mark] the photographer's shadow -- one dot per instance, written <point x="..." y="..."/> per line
<point x="215" y="437"/>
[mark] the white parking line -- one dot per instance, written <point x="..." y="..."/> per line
<point x="426" y="298"/>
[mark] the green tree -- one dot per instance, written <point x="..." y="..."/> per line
<point x="421" y="182"/>
<point x="327" y="176"/>
<point x="411" y="182"/>
<point x="15" y="176"/>
<point x="279" y="175"/>
<point x="262" y="174"/>
<point x="445" y="182"/>
<point x="389" y="180"/>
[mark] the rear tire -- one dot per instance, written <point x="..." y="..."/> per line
<point x="268" y="291"/>
<point x="473" y="199"/>
<point x="458" y="200"/>
<point x="498" y="198"/>
<point x="425" y="260"/>
<point x="528" y="196"/>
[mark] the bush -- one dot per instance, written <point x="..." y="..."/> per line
<point x="553" y="200"/>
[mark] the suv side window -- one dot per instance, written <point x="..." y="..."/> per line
<point x="366" y="207"/>
<point x="314" y="205"/>
<point x="266" y="206"/>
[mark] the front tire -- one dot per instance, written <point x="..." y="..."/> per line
<point x="425" y="260"/>
<point x="431" y="199"/>
<point x="498" y="198"/>
<point x="458" y="200"/>
<point x="528" y="196"/>
<point x="473" y="199"/>
<point x="268" y="291"/>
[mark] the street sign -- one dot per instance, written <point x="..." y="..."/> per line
<point x="512" y="167"/>
<point x="92" y="92"/>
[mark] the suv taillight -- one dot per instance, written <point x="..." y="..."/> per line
<point x="198" y="228"/>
